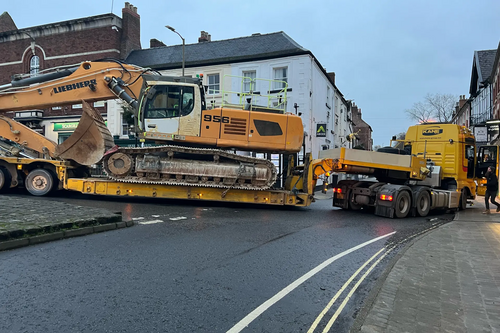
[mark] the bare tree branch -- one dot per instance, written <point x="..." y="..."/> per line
<point x="420" y="112"/>
<point x="436" y="107"/>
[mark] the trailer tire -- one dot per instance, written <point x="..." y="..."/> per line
<point x="402" y="204"/>
<point x="463" y="200"/>
<point x="5" y="179"/>
<point x="423" y="203"/>
<point x="39" y="182"/>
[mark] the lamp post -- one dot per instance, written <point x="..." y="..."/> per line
<point x="183" y="44"/>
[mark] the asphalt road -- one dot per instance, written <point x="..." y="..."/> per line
<point x="201" y="268"/>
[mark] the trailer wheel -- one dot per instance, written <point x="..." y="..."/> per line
<point x="39" y="182"/>
<point x="423" y="203"/>
<point x="403" y="204"/>
<point x="4" y="179"/>
<point x="463" y="199"/>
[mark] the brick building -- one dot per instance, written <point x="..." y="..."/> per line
<point x="361" y="129"/>
<point x="31" y="50"/>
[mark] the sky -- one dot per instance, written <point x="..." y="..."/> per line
<point x="387" y="54"/>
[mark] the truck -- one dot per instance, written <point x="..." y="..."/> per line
<point x="433" y="168"/>
<point x="194" y="156"/>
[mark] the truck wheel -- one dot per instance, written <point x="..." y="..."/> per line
<point x="463" y="200"/>
<point x="39" y="182"/>
<point x="403" y="204"/>
<point x="423" y="203"/>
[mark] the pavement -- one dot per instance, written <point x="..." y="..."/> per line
<point x="30" y="221"/>
<point x="447" y="280"/>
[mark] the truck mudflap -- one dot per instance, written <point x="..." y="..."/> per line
<point x="89" y="142"/>
<point x="394" y="201"/>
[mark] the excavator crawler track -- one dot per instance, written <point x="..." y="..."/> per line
<point x="177" y="165"/>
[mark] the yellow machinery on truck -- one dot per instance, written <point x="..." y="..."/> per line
<point x="434" y="170"/>
<point x="168" y="110"/>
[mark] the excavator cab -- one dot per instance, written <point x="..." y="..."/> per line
<point x="170" y="107"/>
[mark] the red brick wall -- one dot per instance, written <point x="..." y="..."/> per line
<point x="362" y="130"/>
<point x="131" y="24"/>
<point x="47" y="47"/>
<point x="59" y="49"/>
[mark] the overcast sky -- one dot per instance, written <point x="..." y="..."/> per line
<point x="387" y="55"/>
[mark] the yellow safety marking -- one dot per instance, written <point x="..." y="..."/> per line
<point x="341" y="290"/>
<point x="343" y="304"/>
<point x="355" y="287"/>
<point x="243" y="323"/>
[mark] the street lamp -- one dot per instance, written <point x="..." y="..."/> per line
<point x="183" y="44"/>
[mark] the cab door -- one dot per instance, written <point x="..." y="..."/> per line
<point x="162" y="111"/>
<point x="173" y="110"/>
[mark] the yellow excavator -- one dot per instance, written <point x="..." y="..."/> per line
<point x="196" y="144"/>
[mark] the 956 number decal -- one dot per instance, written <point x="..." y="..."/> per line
<point x="216" y="119"/>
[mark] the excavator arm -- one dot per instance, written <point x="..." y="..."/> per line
<point x="86" y="83"/>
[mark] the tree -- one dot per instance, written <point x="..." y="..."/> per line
<point x="434" y="108"/>
<point x="376" y="147"/>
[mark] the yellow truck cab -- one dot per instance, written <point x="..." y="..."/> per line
<point x="450" y="146"/>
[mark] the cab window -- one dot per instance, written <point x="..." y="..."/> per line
<point x="187" y="100"/>
<point x="169" y="102"/>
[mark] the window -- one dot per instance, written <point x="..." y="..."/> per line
<point x="99" y="104"/>
<point x="187" y="100"/>
<point x="125" y="126"/>
<point x="249" y="81"/>
<point x="213" y="84"/>
<point x="77" y="106"/>
<point x="170" y="102"/>
<point x="280" y="74"/>
<point x="34" y="65"/>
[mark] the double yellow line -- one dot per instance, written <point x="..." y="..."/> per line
<point x="355" y="287"/>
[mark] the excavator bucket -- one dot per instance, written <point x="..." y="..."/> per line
<point x="89" y="142"/>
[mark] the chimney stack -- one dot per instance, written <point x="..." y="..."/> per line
<point x="462" y="101"/>
<point x="153" y="42"/>
<point x="131" y="30"/>
<point x="205" y="37"/>
<point x="331" y="75"/>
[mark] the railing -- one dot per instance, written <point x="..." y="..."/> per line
<point x="273" y="99"/>
<point x="480" y="118"/>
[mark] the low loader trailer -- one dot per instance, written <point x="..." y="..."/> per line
<point x="41" y="176"/>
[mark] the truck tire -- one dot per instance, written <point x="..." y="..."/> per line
<point x="39" y="182"/>
<point x="423" y="203"/>
<point x="463" y="200"/>
<point x="402" y="204"/>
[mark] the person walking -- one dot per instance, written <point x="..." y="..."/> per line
<point x="491" y="190"/>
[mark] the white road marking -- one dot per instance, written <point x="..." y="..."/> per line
<point x="151" y="222"/>
<point x="267" y="304"/>
<point x="137" y="218"/>
<point x="178" y="218"/>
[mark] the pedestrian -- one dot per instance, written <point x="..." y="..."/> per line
<point x="491" y="190"/>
